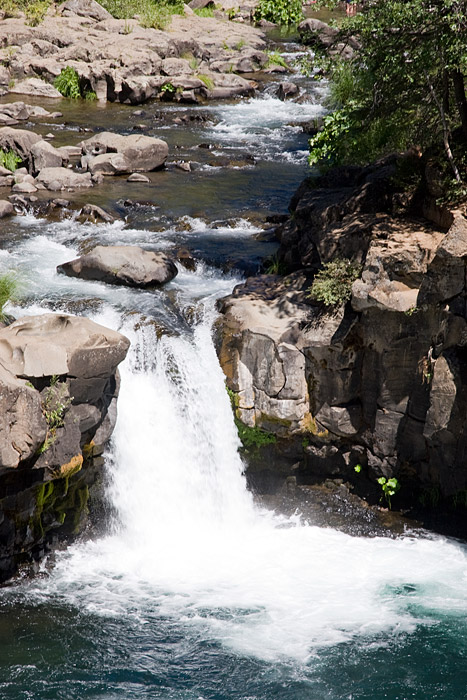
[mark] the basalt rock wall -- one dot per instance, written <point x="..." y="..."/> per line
<point x="58" y="392"/>
<point x="379" y="382"/>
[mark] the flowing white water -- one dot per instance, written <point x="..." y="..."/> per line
<point x="191" y="545"/>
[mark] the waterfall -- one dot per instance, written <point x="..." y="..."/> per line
<point x="190" y="545"/>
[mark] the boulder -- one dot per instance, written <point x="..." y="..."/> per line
<point x="141" y="153"/>
<point x="6" y="209"/>
<point x="58" y="389"/>
<point x="36" y="88"/>
<point x="18" y="140"/>
<point x="55" y="179"/>
<point x="127" y="265"/>
<point x="287" y="90"/>
<point x="44" y="155"/>
<point x="85" y="8"/>
<point x="22" y="424"/>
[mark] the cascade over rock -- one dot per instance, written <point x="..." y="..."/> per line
<point x="58" y="392"/>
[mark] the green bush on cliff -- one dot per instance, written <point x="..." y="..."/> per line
<point x="333" y="283"/>
<point x="279" y="11"/>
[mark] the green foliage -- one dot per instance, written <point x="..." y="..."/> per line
<point x="34" y="10"/>
<point x="9" y="160"/>
<point x="55" y="403"/>
<point x="90" y="96"/>
<point x="280" y="11"/>
<point x="8" y="290"/>
<point x="67" y="83"/>
<point x="389" y="487"/>
<point x="275" y="59"/>
<point x="253" y="438"/>
<point x="168" y="90"/>
<point x="209" y="82"/>
<point x="54" y="406"/>
<point x="274" y="266"/>
<point x="207" y="11"/>
<point x="333" y="283"/>
<point x="404" y="85"/>
<point x="153" y="13"/>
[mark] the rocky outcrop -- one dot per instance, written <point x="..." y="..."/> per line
<point x="128" y="265"/>
<point x="58" y="393"/>
<point x="378" y="382"/>
<point x="122" y="61"/>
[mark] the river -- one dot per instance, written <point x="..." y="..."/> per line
<point x="195" y="592"/>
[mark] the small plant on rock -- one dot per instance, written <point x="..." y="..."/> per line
<point x="389" y="487"/>
<point x="54" y="406"/>
<point x="333" y="283"/>
<point x="209" y="82"/>
<point x="67" y="83"/>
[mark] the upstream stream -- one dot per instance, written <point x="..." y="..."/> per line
<point x="195" y="592"/>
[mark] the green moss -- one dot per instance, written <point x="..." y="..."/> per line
<point x="253" y="438"/>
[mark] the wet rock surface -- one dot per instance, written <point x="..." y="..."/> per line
<point x="378" y="382"/>
<point x="128" y="265"/>
<point x="58" y="393"/>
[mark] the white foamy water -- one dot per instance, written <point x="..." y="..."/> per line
<point x="268" y="125"/>
<point x="190" y="545"/>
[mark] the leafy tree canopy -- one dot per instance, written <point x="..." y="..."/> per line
<point x="404" y="85"/>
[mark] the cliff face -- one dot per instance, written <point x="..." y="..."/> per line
<point x="58" y="394"/>
<point x="381" y="381"/>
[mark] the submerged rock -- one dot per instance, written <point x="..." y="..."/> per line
<point x="128" y="265"/>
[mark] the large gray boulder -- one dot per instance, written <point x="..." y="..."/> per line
<point x="85" y="8"/>
<point x="58" y="178"/>
<point x="140" y="153"/>
<point x="58" y="391"/>
<point x="44" y="155"/>
<point x="6" y="209"/>
<point x="35" y="87"/>
<point x="38" y="347"/>
<point x="18" y="140"/>
<point x="127" y="265"/>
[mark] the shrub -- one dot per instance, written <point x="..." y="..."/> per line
<point x="67" y="83"/>
<point x="8" y="290"/>
<point x="153" y="13"/>
<point x="209" y="82"/>
<point x="205" y="11"/>
<point x="9" y="160"/>
<point x="333" y="283"/>
<point x="36" y="11"/>
<point x="280" y="11"/>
